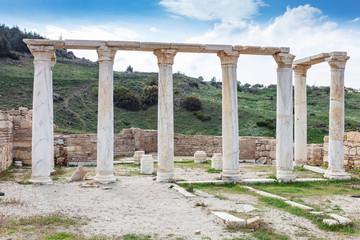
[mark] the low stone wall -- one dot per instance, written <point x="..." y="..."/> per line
<point x="351" y="149"/>
<point x="266" y="149"/>
<point x="6" y="141"/>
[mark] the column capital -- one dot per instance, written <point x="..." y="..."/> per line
<point x="228" y="57"/>
<point x="301" y="69"/>
<point x="284" y="60"/>
<point x="337" y="62"/>
<point x="106" y="54"/>
<point x="165" y="56"/>
<point x="42" y="53"/>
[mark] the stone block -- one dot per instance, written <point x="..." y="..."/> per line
<point x="216" y="161"/>
<point x="79" y="174"/>
<point x="253" y="223"/>
<point x="342" y="220"/>
<point x="330" y="222"/>
<point x="137" y="157"/>
<point x="200" y="157"/>
<point x="147" y="164"/>
<point x="230" y="220"/>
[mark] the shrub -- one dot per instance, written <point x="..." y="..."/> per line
<point x="268" y="123"/>
<point x="95" y="91"/>
<point x="125" y="99"/>
<point x="202" y="116"/>
<point x="149" y="96"/>
<point x="153" y="81"/>
<point x="191" y="103"/>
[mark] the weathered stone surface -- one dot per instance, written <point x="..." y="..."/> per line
<point x="330" y="222"/>
<point x="200" y="157"/>
<point x="253" y="223"/>
<point x="79" y="174"/>
<point x="147" y="164"/>
<point x="216" y="161"/>
<point x="137" y="157"/>
<point x="230" y="220"/>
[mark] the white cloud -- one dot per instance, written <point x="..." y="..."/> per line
<point x="224" y="10"/>
<point x="154" y="29"/>
<point x="355" y="20"/>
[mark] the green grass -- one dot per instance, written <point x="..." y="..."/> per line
<point x="306" y="189"/>
<point x="317" y="220"/>
<point x="77" y="112"/>
<point x="211" y="170"/>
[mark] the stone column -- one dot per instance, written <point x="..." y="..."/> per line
<point x="230" y="125"/>
<point x="52" y="161"/>
<point x="42" y="114"/>
<point x="105" y="127"/>
<point x="336" y="122"/>
<point x="300" y="115"/>
<point x="284" y="118"/>
<point x="165" y="170"/>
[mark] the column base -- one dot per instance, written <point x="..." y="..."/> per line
<point x="233" y="177"/>
<point x="164" y="177"/>
<point x="105" y="179"/>
<point x="285" y="175"/>
<point x="41" y="180"/>
<point x="336" y="174"/>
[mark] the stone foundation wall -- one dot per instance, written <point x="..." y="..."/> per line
<point x="351" y="149"/>
<point x="6" y="141"/>
<point x="266" y="149"/>
<point x="315" y="154"/>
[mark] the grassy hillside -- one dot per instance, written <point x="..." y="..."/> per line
<point x="77" y="108"/>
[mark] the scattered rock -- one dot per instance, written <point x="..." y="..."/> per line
<point x="261" y="160"/>
<point x="79" y="174"/>
<point x="253" y="223"/>
<point x="90" y="182"/>
<point x="197" y="232"/>
<point x="2" y="194"/>
<point x="106" y="188"/>
<point x="57" y="97"/>
<point x="89" y="186"/>
<point x="330" y="222"/>
<point x="342" y="220"/>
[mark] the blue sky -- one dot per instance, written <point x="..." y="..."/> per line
<point x="307" y="27"/>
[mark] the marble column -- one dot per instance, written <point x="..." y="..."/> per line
<point x="165" y="170"/>
<point x="105" y="126"/>
<point x="41" y="122"/>
<point x="300" y="115"/>
<point x="230" y="125"/>
<point x="52" y="161"/>
<point x="284" y="118"/>
<point x="336" y="122"/>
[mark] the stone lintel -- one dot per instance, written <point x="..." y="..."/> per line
<point x="187" y="47"/>
<point x="44" y="42"/>
<point x="124" y="45"/>
<point x="215" y="48"/>
<point x="151" y="46"/>
<point x="84" y="44"/>
<point x="257" y="50"/>
<point x="315" y="59"/>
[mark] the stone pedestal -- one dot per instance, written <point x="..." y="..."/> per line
<point x="42" y="114"/>
<point x="199" y="157"/>
<point x="147" y="164"/>
<point x="105" y="127"/>
<point x="137" y="157"/>
<point x="284" y="118"/>
<point x="216" y="161"/>
<point x="165" y="170"/>
<point x="300" y="115"/>
<point x="230" y="128"/>
<point x="336" y="122"/>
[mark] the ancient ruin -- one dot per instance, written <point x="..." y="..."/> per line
<point x="42" y="119"/>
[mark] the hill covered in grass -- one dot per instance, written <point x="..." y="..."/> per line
<point x="75" y="101"/>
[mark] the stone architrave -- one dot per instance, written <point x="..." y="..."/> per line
<point x="199" y="157"/>
<point x="336" y="122"/>
<point x="284" y="118"/>
<point x="105" y="127"/>
<point x="42" y="114"/>
<point x="216" y="161"/>
<point x="165" y="170"/>
<point x="230" y="128"/>
<point x="52" y="161"/>
<point x="147" y="164"/>
<point x="300" y="115"/>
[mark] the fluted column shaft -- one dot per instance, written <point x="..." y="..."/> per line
<point x="230" y="125"/>
<point x="105" y="126"/>
<point x="336" y="122"/>
<point x="165" y="170"/>
<point x="42" y="114"/>
<point x="284" y="118"/>
<point x="52" y="161"/>
<point x="300" y="115"/>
